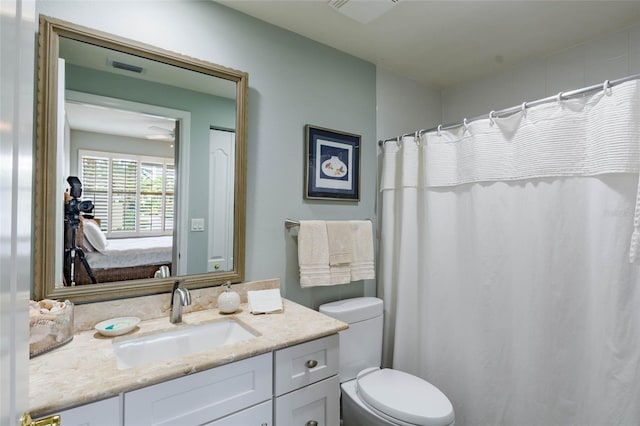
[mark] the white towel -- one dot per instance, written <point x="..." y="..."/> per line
<point x="340" y="274"/>
<point x="362" y="266"/>
<point x="265" y="301"/>
<point x="313" y="253"/>
<point x="340" y="242"/>
<point x="340" y="238"/>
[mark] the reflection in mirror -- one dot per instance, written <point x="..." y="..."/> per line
<point x="154" y="144"/>
<point x="125" y="162"/>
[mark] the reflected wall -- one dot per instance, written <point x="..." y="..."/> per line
<point x="207" y="111"/>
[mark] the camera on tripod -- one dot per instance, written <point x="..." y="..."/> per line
<point x="74" y="209"/>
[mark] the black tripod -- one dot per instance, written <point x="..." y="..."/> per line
<point x="72" y="212"/>
<point x="70" y="253"/>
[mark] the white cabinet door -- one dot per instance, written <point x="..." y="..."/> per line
<point x="201" y="397"/>
<point x="260" y="415"/>
<point x="101" y="413"/>
<point x="314" y="405"/>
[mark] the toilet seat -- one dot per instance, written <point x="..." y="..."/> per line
<point x="396" y="395"/>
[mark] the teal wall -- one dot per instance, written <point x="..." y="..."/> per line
<point x="293" y="81"/>
<point x="81" y="139"/>
<point x="206" y="111"/>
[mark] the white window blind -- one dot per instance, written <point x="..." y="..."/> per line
<point x="133" y="195"/>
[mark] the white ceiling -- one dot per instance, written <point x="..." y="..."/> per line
<point x="449" y="42"/>
<point x="114" y="121"/>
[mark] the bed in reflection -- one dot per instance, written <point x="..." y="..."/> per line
<point x="119" y="259"/>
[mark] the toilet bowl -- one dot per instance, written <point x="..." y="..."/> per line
<point x="391" y="397"/>
<point x="372" y="396"/>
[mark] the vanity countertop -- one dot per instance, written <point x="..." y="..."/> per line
<point x="85" y="369"/>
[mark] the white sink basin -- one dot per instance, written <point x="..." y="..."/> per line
<point x="183" y="340"/>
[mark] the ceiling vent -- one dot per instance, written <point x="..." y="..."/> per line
<point x="363" y="11"/>
<point x="127" y="67"/>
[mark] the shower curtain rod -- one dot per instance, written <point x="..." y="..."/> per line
<point x="512" y="110"/>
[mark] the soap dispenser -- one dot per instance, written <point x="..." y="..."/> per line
<point x="228" y="300"/>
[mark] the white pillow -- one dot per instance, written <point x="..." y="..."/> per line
<point x="95" y="236"/>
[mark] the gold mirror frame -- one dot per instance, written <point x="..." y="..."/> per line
<point x="51" y="30"/>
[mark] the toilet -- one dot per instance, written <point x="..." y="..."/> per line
<point x="372" y="396"/>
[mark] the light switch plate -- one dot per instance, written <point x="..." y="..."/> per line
<point x="197" y="224"/>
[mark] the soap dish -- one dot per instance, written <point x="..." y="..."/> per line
<point x="117" y="326"/>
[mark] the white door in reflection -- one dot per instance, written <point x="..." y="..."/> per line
<point x="221" y="199"/>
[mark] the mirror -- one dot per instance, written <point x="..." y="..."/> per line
<point x="140" y="168"/>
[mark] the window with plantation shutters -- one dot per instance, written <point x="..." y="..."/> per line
<point x="133" y="195"/>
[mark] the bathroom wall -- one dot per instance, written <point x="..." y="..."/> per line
<point x="607" y="57"/>
<point x="293" y="81"/>
<point x="404" y="105"/>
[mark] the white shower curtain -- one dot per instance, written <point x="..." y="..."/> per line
<point x="504" y="264"/>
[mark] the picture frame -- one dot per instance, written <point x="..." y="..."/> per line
<point x="332" y="165"/>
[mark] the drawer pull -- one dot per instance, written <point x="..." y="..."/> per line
<point x="311" y="364"/>
<point x="311" y="423"/>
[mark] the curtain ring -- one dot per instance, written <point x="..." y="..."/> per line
<point x="524" y="108"/>
<point x="416" y="137"/>
<point x="559" y="97"/>
<point x="492" y="115"/>
<point x="439" y="131"/>
<point x="421" y="134"/>
<point x="465" y="124"/>
<point x="606" y="85"/>
<point x="398" y="141"/>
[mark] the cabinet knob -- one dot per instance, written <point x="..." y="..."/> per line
<point x="311" y="364"/>
<point x="264" y="424"/>
<point x="311" y="423"/>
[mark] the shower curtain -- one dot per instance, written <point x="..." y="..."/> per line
<point x="505" y="263"/>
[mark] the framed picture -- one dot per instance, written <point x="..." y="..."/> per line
<point x="333" y="165"/>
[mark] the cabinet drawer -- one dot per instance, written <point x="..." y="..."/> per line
<point x="318" y="403"/>
<point x="260" y="415"/>
<point x="306" y="363"/>
<point x="100" y="413"/>
<point x="201" y="397"/>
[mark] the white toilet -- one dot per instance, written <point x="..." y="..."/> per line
<point x="380" y="397"/>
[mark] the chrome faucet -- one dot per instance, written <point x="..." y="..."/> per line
<point x="180" y="297"/>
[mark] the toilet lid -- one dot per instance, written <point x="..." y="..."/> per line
<point x="405" y="397"/>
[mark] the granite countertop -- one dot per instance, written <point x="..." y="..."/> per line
<point x="85" y="369"/>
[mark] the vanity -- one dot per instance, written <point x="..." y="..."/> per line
<point x="286" y="374"/>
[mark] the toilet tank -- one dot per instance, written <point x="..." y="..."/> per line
<point x="361" y="343"/>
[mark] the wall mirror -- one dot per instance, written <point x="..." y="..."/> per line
<point x="140" y="174"/>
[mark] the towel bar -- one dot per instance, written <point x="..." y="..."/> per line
<point x="289" y="223"/>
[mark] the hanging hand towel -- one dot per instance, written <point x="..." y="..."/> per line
<point x="340" y="242"/>
<point x="313" y="253"/>
<point x="340" y="239"/>
<point x="340" y="274"/>
<point x="362" y="266"/>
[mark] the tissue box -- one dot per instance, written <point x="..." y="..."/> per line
<point x="50" y="325"/>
